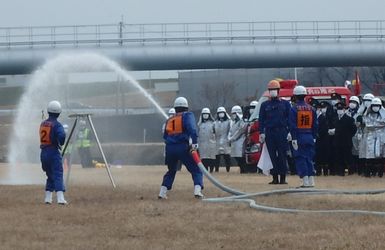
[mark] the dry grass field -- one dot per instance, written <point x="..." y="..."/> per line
<point x="131" y="216"/>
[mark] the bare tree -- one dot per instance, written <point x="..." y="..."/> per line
<point x="250" y="98"/>
<point x="219" y="94"/>
<point x="378" y="74"/>
<point x="342" y="74"/>
<point x="318" y="77"/>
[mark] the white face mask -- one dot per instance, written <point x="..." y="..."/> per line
<point x="233" y="116"/>
<point x="340" y="111"/>
<point x="221" y="115"/>
<point x="375" y="109"/>
<point x="367" y="103"/>
<point x="205" y="116"/>
<point x="323" y="110"/>
<point x="251" y="111"/>
<point x="352" y="105"/>
<point x="273" y="93"/>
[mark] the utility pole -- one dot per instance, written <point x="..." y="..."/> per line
<point x="121" y="25"/>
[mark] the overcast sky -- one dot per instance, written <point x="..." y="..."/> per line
<point x="70" y="12"/>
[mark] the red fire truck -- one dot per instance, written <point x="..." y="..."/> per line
<point x="253" y="147"/>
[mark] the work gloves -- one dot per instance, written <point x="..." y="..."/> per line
<point x="294" y="143"/>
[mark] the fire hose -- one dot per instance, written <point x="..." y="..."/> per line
<point x="243" y="197"/>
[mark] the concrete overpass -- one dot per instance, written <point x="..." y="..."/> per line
<point x="201" y="45"/>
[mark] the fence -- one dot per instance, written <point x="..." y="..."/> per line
<point x="165" y="33"/>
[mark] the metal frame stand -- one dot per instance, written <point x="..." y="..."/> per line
<point x="88" y="116"/>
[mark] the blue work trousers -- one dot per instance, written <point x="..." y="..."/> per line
<point x="304" y="156"/>
<point x="277" y="145"/>
<point x="51" y="162"/>
<point x="180" y="152"/>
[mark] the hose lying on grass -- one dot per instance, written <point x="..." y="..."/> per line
<point x="239" y="196"/>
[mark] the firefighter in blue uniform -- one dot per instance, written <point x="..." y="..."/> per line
<point x="178" y="131"/>
<point x="52" y="137"/>
<point x="273" y="129"/>
<point x="303" y="129"/>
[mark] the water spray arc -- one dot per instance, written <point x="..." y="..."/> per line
<point x="47" y="84"/>
<point x="243" y="197"/>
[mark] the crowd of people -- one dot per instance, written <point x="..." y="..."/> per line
<point x="351" y="137"/>
<point x="221" y="137"/>
<point x="313" y="137"/>
<point x="304" y="136"/>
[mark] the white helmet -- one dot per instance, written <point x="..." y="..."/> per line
<point x="299" y="90"/>
<point x="253" y="103"/>
<point x="368" y="97"/>
<point x="354" y="99"/>
<point x="54" y="107"/>
<point x="171" y="111"/>
<point x="206" y="111"/>
<point x="236" y="109"/>
<point x="221" y="109"/>
<point x="181" y="102"/>
<point x="376" y="101"/>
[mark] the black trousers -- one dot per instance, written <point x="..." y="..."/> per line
<point x="209" y="164"/>
<point x="355" y="166"/>
<point x="374" y="167"/>
<point x="242" y="164"/>
<point x="343" y="156"/>
<point x="85" y="157"/>
<point x="291" y="163"/>
<point x="322" y="168"/>
<point x="227" y="161"/>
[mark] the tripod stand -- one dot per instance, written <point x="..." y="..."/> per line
<point x="88" y="117"/>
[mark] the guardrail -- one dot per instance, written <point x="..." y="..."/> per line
<point x="165" y="33"/>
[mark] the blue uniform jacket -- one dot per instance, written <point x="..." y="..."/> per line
<point x="274" y="113"/>
<point x="52" y="134"/>
<point x="180" y="128"/>
<point x="303" y="123"/>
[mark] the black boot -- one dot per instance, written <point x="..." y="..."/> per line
<point x="275" y="179"/>
<point x="380" y="169"/>
<point x="367" y="170"/>
<point x="282" y="179"/>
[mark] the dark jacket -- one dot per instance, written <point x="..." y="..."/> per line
<point x="323" y="142"/>
<point x="345" y="130"/>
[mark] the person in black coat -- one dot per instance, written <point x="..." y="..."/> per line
<point x="345" y="129"/>
<point x="323" y="141"/>
<point x="332" y="117"/>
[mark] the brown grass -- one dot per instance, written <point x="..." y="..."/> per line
<point x="131" y="217"/>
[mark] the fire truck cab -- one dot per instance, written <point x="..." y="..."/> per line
<point x="253" y="147"/>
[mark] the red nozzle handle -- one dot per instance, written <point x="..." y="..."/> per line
<point x="195" y="156"/>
